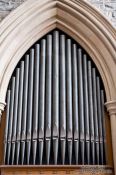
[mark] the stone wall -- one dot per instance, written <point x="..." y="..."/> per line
<point x="106" y="7"/>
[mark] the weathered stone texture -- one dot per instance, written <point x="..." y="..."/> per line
<point x="106" y="7"/>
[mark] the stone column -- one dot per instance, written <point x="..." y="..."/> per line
<point x="111" y="108"/>
<point x="2" y="106"/>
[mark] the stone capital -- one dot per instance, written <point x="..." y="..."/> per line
<point x="111" y="107"/>
<point x="2" y="106"/>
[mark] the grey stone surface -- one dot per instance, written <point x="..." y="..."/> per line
<point x="106" y="7"/>
<point x="6" y="6"/>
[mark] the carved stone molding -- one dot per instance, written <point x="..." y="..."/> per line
<point x="111" y="107"/>
<point x="2" y="106"/>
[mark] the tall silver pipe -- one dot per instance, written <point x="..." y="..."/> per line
<point x="75" y="101"/>
<point x="24" y="112"/>
<point x="20" y="105"/>
<point x="11" y="118"/>
<point x="95" y="110"/>
<point x="81" y="105"/>
<point x="100" y="119"/>
<point x="42" y="96"/>
<point x="62" y="97"/>
<point x="103" y="126"/>
<point x="55" y="94"/>
<point x="69" y="99"/>
<point x="7" y="122"/>
<point x="36" y="91"/>
<point x="86" y="108"/>
<point x="15" y="114"/>
<point x="48" y="110"/>
<point x="90" y="90"/>
<point x="30" y="103"/>
<point x="36" y="100"/>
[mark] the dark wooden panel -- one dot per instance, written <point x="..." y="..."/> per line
<point x="59" y="170"/>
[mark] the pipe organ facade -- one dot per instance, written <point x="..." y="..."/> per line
<point x="55" y="106"/>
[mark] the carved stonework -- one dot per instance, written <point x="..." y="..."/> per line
<point x="106" y="7"/>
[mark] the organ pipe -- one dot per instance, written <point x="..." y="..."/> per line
<point x="30" y="103"/>
<point x="24" y="112"/>
<point x="90" y="92"/>
<point x="55" y="94"/>
<point x="48" y="96"/>
<point x="100" y="119"/>
<point x="86" y="108"/>
<point x="15" y="114"/>
<point x="42" y="98"/>
<point x="21" y="81"/>
<point x="55" y="106"/>
<point x="36" y="101"/>
<point x="95" y="110"/>
<point x="81" y="105"/>
<point x="62" y="97"/>
<point x="75" y="101"/>
<point x="10" y="118"/>
<point x="69" y="100"/>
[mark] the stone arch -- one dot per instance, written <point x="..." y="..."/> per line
<point x="33" y="19"/>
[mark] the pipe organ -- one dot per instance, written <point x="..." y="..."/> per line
<point x="55" y="106"/>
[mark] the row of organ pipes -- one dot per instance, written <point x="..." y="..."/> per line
<point x="55" y="107"/>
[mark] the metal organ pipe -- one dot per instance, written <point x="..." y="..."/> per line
<point x="55" y="94"/>
<point x="24" y="112"/>
<point x="10" y="118"/>
<point x="36" y="101"/>
<point x="30" y="104"/>
<point x="62" y="98"/>
<point x="15" y="114"/>
<point x="48" y="111"/>
<point x="21" y="81"/>
<point x="69" y="100"/>
<point x="90" y="92"/>
<point x="95" y="110"/>
<point x="55" y="106"/>
<point x="81" y="105"/>
<point x="86" y="108"/>
<point x="100" y="119"/>
<point x="75" y="102"/>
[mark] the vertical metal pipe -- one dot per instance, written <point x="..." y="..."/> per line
<point x="81" y="105"/>
<point x="95" y="110"/>
<point x="86" y="108"/>
<point x="20" y="105"/>
<point x="10" y="118"/>
<point x="48" y="92"/>
<point x="36" y="100"/>
<point x="7" y="123"/>
<point x="15" y="114"/>
<point x="42" y="96"/>
<point x="24" y="112"/>
<point x="90" y="92"/>
<point x="100" y="119"/>
<point x="103" y="126"/>
<point x="75" y="101"/>
<point x="55" y="94"/>
<point x="69" y="99"/>
<point x="30" y="103"/>
<point x="62" y="97"/>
